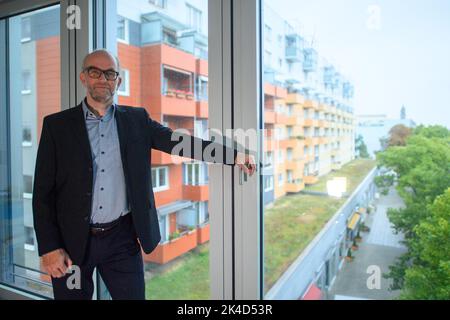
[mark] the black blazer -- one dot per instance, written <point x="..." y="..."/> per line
<point x="62" y="191"/>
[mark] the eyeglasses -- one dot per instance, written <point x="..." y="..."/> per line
<point x="96" y="73"/>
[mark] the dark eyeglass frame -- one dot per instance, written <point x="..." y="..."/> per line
<point x="110" y="75"/>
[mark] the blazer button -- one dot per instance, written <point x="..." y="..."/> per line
<point x="86" y="218"/>
<point x="88" y="194"/>
<point x="90" y="169"/>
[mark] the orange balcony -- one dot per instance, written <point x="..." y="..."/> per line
<point x="294" y="187"/>
<point x="310" y="104"/>
<point x="177" y="106"/>
<point x="310" y="123"/>
<point x="311" y="141"/>
<point x="281" y="92"/>
<point x="310" y="179"/>
<point x="201" y="109"/>
<point x="323" y="140"/>
<point x="196" y="193"/>
<point x="292" y="120"/>
<point x="203" y="233"/>
<point x="295" y="165"/>
<point x="321" y="123"/>
<point x="269" y="89"/>
<point x="269" y="116"/>
<point x="172" y="249"/>
<point x="281" y="118"/>
<point x="295" y="98"/>
<point x="162" y="158"/>
<point x="289" y="143"/>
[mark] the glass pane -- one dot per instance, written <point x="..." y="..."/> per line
<point x="34" y="66"/>
<point x="166" y="58"/>
<point x="362" y="84"/>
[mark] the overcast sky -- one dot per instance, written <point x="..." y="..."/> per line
<point x="395" y="51"/>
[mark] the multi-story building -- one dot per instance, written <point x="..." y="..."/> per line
<point x="308" y="106"/>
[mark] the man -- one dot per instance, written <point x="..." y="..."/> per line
<point x="93" y="202"/>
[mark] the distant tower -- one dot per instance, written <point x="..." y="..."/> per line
<point x="403" y="113"/>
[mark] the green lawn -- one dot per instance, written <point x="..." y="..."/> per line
<point x="188" y="279"/>
<point x="289" y="226"/>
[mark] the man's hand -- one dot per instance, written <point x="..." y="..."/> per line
<point x="246" y="163"/>
<point x="56" y="263"/>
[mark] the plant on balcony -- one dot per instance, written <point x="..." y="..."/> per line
<point x="189" y="96"/>
<point x="180" y="94"/>
<point x="174" y="235"/>
<point x="170" y="93"/>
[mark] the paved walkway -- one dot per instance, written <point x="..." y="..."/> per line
<point x="379" y="249"/>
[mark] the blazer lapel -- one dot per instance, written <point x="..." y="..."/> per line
<point x="79" y="126"/>
<point x="122" y="130"/>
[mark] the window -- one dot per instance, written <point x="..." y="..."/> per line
<point x="280" y="156"/>
<point x="268" y="183"/>
<point x="280" y="179"/>
<point x="160" y="178"/>
<point x="289" y="154"/>
<point x="268" y="33"/>
<point x="26" y="29"/>
<point x="290" y="178"/>
<point x="159" y="3"/>
<point x="268" y="161"/>
<point x="195" y="174"/>
<point x="124" y="89"/>
<point x="194" y="18"/>
<point x="29" y="239"/>
<point x="26" y="82"/>
<point x="122" y="30"/>
<point x="267" y="58"/>
<point x="26" y="137"/>
<point x="33" y="42"/>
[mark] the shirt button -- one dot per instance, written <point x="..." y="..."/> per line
<point x="102" y="135"/>
<point x="103" y="170"/>
<point x="100" y="207"/>
<point x="103" y="152"/>
<point x="102" y="188"/>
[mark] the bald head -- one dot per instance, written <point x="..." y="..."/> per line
<point x="101" y="56"/>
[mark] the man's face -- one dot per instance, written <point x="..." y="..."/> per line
<point x="96" y="83"/>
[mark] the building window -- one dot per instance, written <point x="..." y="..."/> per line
<point x="290" y="178"/>
<point x="268" y="161"/>
<point x="26" y="29"/>
<point x="267" y="58"/>
<point x="27" y="187"/>
<point x="280" y="179"/>
<point x="194" y="18"/>
<point x="289" y="154"/>
<point x="280" y="156"/>
<point x="268" y="33"/>
<point x="122" y="30"/>
<point x="124" y="89"/>
<point x="160" y="178"/>
<point x="26" y="82"/>
<point x="194" y="174"/>
<point x="159" y="3"/>
<point x="29" y="238"/>
<point x="268" y="183"/>
<point x="26" y="137"/>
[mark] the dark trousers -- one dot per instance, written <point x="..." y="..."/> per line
<point x="117" y="256"/>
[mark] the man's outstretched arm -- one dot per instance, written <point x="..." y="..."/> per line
<point x="164" y="139"/>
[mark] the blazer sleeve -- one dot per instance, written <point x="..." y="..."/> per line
<point x="44" y="192"/>
<point x="164" y="139"/>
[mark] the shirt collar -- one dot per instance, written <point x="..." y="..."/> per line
<point x="110" y="112"/>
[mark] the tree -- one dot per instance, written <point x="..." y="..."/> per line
<point x="429" y="277"/>
<point x="361" y="147"/>
<point x="422" y="168"/>
<point x="398" y="135"/>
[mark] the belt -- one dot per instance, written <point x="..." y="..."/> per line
<point x="102" y="228"/>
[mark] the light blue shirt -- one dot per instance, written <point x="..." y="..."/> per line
<point x="109" y="196"/>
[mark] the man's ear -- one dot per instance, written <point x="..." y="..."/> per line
<point x="119" y="82"/>
<point x="83" y="78"/>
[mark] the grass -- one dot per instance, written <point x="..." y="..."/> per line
<point x="188" y="279"/>
<point x="290" y="225"/>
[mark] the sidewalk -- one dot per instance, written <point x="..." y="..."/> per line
<point x="380" y="247"/>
